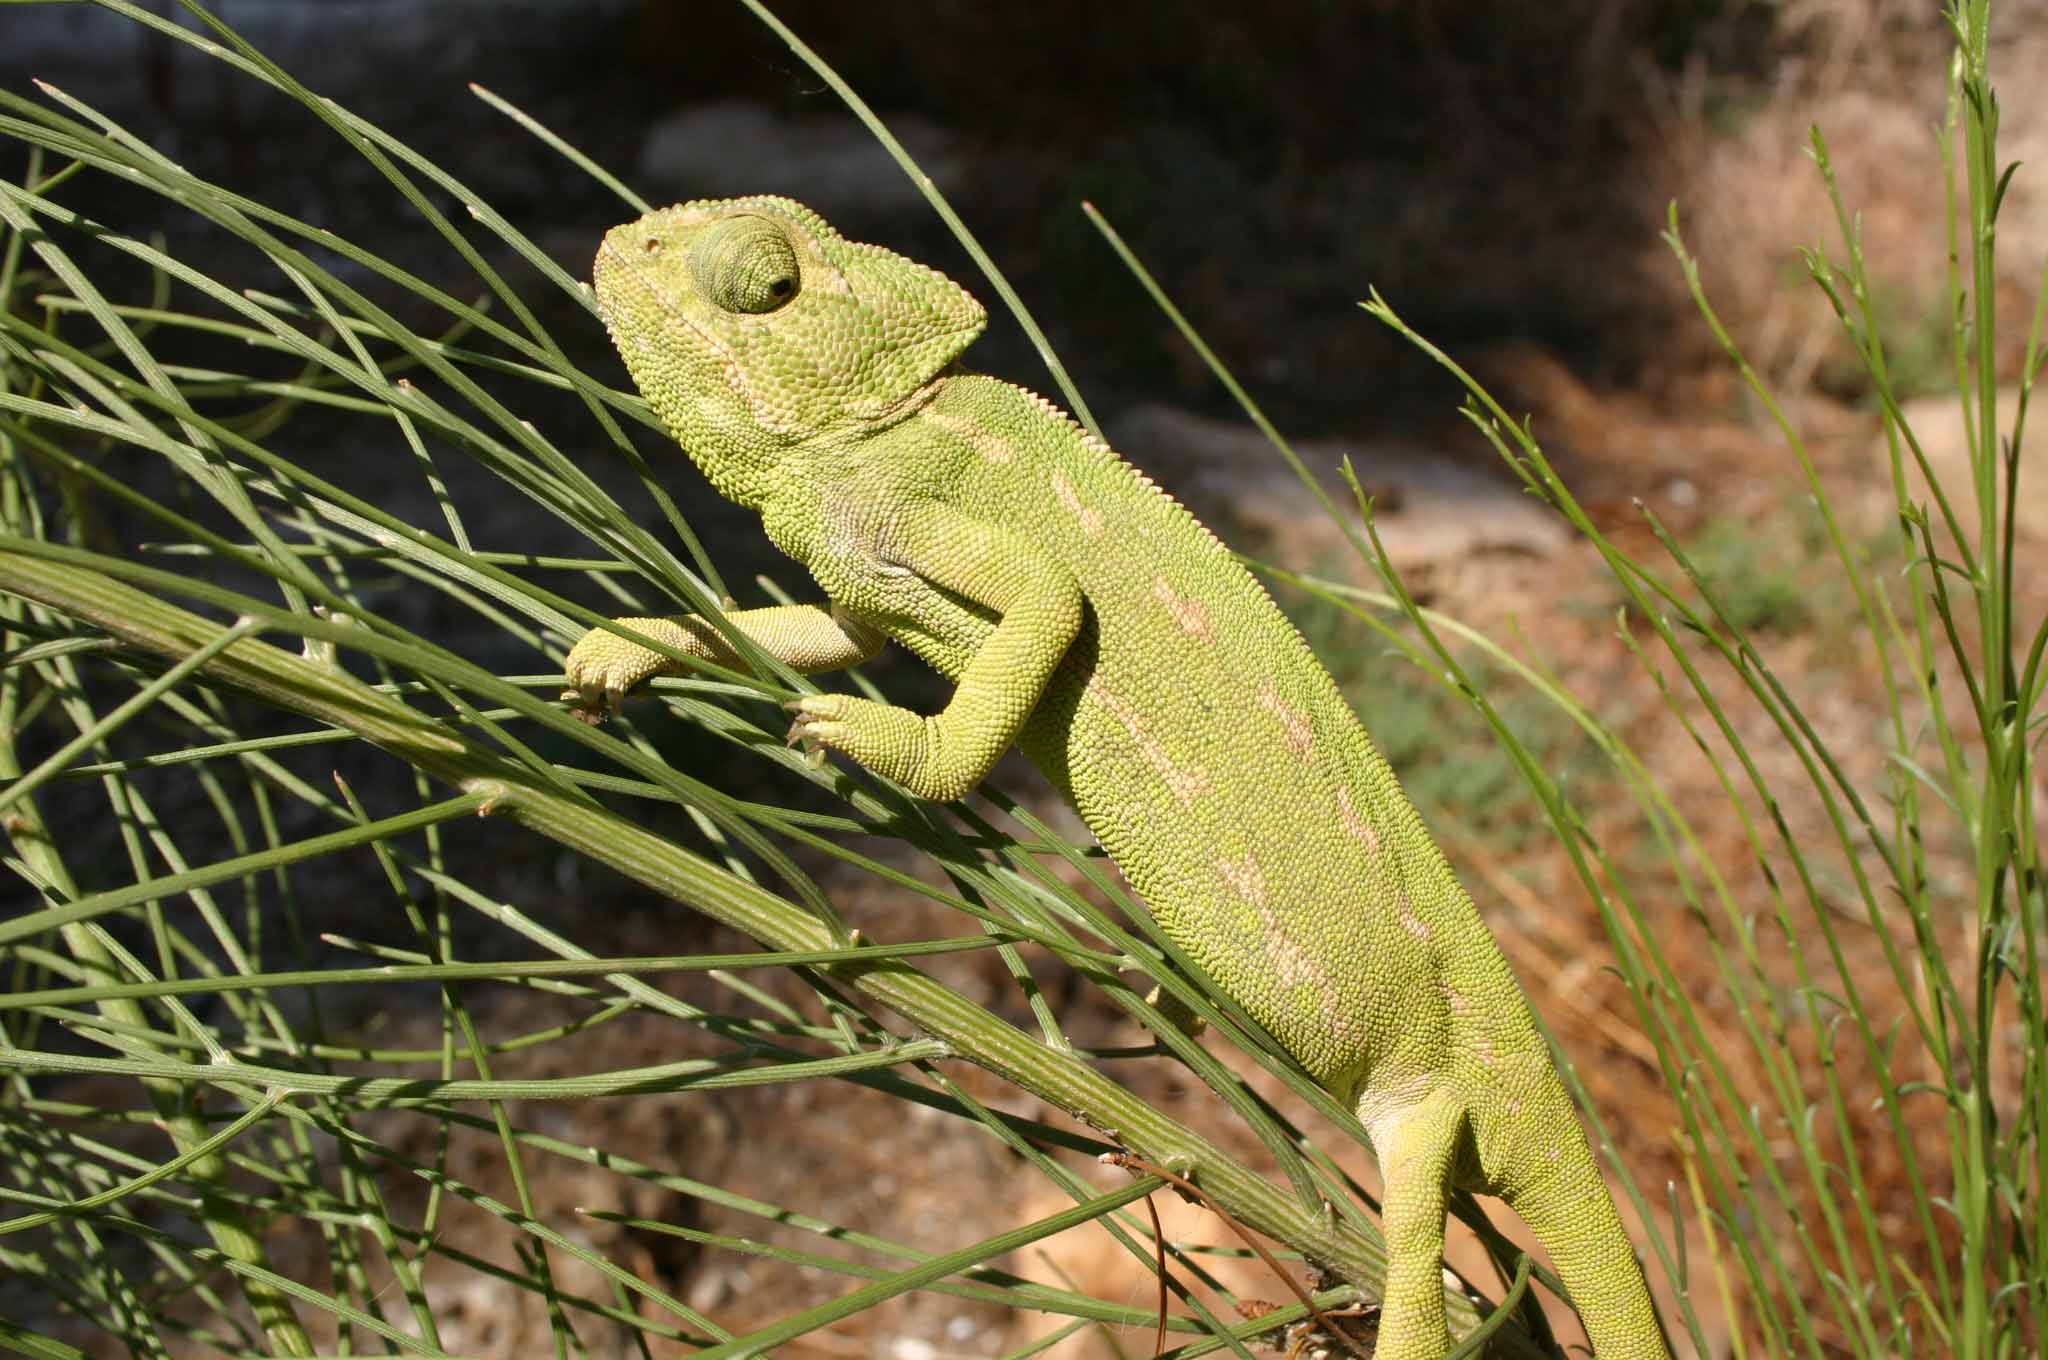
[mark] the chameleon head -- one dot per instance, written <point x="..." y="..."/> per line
<point x="752" y="326"/>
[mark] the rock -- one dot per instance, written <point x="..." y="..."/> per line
<point x="402" y="66"/>
<point x="346" y="49"/>
<point x="1937" y="422"/>
<point x="1429" y="509"/>
<point x="732" y="147"/>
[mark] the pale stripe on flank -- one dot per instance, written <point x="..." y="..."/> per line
<point x="1186" y="783"/>
<point x="1294" y="726"/>
<point x="1070" y="499"/>
<point x="1188" y="612"/>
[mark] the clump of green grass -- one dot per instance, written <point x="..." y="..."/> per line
<point x="191" y="734"/>
<point x="1746" y="569"/>
<point x="1898" y="989"/>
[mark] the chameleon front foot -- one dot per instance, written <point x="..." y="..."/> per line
<point x="834" y="722"/>
<point x="893" y="742"/>
<point x="813" y="725"/>
<point x="602" y="667"/>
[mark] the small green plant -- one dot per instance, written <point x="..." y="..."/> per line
<point x="1754" y="586"/>
<point x="1436" y="740"/>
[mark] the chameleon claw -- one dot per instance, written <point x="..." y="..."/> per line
<point x="583" y="711"/>
<point x="816" y="726"/>
<point x="591" y="701"/>
<point x="800" y="734"/>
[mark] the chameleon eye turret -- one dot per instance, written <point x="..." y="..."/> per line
<point x="745" y="264"/>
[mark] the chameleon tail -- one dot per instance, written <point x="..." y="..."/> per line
<point x="1573" y="1216"/>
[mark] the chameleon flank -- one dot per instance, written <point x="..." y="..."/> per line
<point x="1089" y="618"/>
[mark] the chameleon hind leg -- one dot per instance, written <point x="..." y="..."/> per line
<point x="1416" y="1164"/>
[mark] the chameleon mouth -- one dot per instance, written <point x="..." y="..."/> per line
<point x="614" y="269"/>
<point x="630" y="295"/>
<point x="620" y="280"/>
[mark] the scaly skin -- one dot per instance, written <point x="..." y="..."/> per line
<point x="1088" y="617"/>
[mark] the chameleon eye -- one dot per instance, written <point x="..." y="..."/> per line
<point x="745" y="264"/>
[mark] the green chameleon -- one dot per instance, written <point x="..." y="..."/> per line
<point x="1086" y="616"/>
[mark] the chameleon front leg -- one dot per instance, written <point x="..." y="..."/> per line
<point x="1038" y="606"/>
<point x="807" y="638"/>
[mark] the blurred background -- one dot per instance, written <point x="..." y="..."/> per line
<point x="1499" y="170"/>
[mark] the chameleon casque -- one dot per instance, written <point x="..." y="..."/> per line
<point x="1089" y="618"/>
